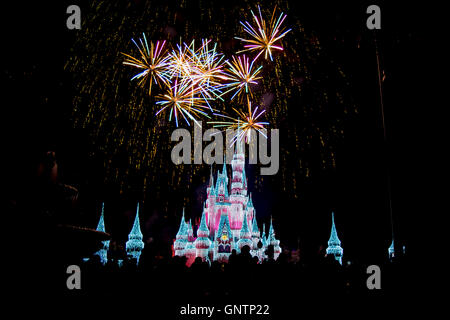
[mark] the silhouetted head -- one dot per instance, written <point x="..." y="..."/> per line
<point x="245" y="249"/>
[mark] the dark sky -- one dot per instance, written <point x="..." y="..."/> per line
<point x="38" y="108"/>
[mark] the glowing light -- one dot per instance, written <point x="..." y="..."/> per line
<point x="182" y="100"/>
<point x="135" y="244"/>
<point x="152" y="61"/>
<point x="241" y="75"/>
<point x="243" y="124"/>
<point x="334" y="244"/>
<point x="264" y="35"/>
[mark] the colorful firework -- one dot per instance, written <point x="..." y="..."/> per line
<point x="126" y="124"/>
<point x="182" y="100"/>
<point x="241" y="74"/>
<point x="180" y="64"/>
<point x="209" y="71"/>
<point x="151" y="60"/>
<point x="264" y="36"/>
<point x="243" y="124"/>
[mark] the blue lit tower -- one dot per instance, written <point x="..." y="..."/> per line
<point x="135" y="244"/>
<point x="263" y="236"/>
<point x="202" y="243"/>
<point x="181" y="238"/>
<point x="391" y="250"/>
<point x="245" y="236"/>
<point x="102" y="253"/>
<point x="255" y="233"/>
<point x="334" y="244"/>
<point x="271" y="240"/>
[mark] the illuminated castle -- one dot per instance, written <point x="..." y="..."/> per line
<point x="228" y="220"/>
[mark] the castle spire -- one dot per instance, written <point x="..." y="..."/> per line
<point x="224" y="168"/>
<point x="334" y="244"/>
<point x="202" y="243"/>
<point x="182" y="230"/>
<point x="255" y="229"/>
<point x="101" y="222"/>
<point x="263" y="236"/>
<point x="245" y="232"/>
<point x="135" y="244"/>
<point x="391" y="250"/>
<point x="203" y="230"/>
<point x="181" y="237"/>
<point x="211" y="179"/>
<point x="103" y="252"/>
<point x="245" y="235"/>
<point x="250" y="202"/>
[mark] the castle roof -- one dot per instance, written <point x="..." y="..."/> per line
<point x="203" y="230"/>
<point x="255" y="225"/>
<point x="250" y="202"/>
<point x="245" y="232"/>
<point x="182" y="231"/>
<point x="101" y="222"/>
<point x="224" y="223"/>
<point x="135" y="232"/>
<point x="334" y="240"/>
<point x="271" y="235"/>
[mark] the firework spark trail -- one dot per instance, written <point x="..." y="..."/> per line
<point x="182" y="100"/>
<point x="152" y="60"/>
<point x="244" y="123"/>
<point x="264" y="35"/>
<point x="119" y="124"/>
<point x="241" y="74"/>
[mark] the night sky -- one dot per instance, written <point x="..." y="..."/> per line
<point x="39" y="105"/>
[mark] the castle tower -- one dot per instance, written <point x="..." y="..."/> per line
<point x="210" y="188"/>
<point x="202" y="243"/>
<point x="334" y="244"/>
<point x="190" y="231"/>
<point x="245" y="236"/>
<point x="181" y="238"/>
<point x="391" y="251"/>
<point x="103" y="252"/>
<point x="135" y="244"/>
<point x="255" y="233"/>
<point x="263" y="236"/>
<point x="271" y="240"/>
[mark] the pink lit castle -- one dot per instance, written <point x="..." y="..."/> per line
<point x="228" y="220"/>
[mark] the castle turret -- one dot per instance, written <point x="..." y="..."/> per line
<point x="135" y="244"/>
<point x="202" y="243"/>
<point x="103" y="252"/>
<point x="263" y="236"/>
<point x="255" y="232"/>
<point x="190" y="231"/>
<point x="245" y="235"/>
<point x="391" y="250"/>
<point x="181" y="238"/>
<point x="210" y="189"/>
<point x="334" y="244"/>
<point x="271" y="240"/>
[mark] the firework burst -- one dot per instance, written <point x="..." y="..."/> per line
<point x="182" y="99"/>
<point x="244" y="123"/>
<point x="152" y="61"/>
<point x="263" y="36"/>
<point x="209" y="73"/>
<point x="241" y="75"/>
